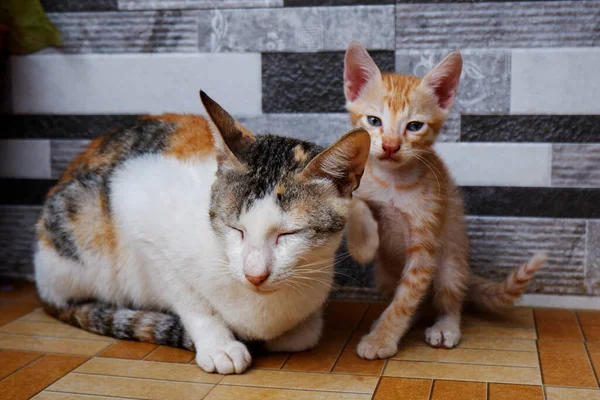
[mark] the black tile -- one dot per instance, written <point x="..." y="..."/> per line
<point x="532" y="202"/>
<point x="24" y="191"/>
<point x="59" y="126"/>
<point x="309" y="82"/>
<point x="312" y="3"/>
<point x="530" y="128"/>
<point x="79" y="5"/>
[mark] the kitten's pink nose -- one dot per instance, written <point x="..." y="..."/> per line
<point x="256" y="280"/>
<point x="390" y="147"/>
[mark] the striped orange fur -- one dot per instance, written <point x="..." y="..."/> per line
<point x="413" y="205"/>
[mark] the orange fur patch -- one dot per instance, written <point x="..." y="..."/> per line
<point x="192" y="138"/>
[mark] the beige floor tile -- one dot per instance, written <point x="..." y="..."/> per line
<point x="500" y="332"/>
<point x="38" y="315"/>
<point x="350" y="363"/>
<point x="129" y="387"/>
<point x="469" y="356"/>
<point x="565" y="364"/>
<point x="557" y="325"/>
<point x="148" y="370"/>
<point x="51" y="330"/>
<point x="254" y="393"/>
<point x="456" y="390"/>
<point x="501" y="391"/>
<point x="270" y="360"/>
<point x="470" y="341"/>
<point x="11" y="361"/>
<point x="303" y="380"/>
<point x="47" y="395"/>
<point x="515" y="317"/>
<point x="466" y="372"/>
<point x="403" y="389"/>
<point x="170" y="354"/>
<point x="52" y="345"/>
<point x="35" y="377"/>
<point x="556" y="393"/>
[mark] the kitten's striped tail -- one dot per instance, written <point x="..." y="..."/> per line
<point x="495" y="295"/>
<point x="123" y="323"/>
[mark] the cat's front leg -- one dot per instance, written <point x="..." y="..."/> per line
<point x="303" y="336"/>
<point x="217" y="349"/>
<point x="362" y="232"/>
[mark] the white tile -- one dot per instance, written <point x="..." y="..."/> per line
<point x="130" y="84"/>
<point x="498" y="164"/>
<point x="555" y="81"/>
<point x="25" y="159"/>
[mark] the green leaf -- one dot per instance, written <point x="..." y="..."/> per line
<point x="30" y="28"/>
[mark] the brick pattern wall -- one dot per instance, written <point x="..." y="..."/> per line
<point x="523" y="140"/>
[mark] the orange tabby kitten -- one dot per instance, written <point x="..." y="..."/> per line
<point x="408" y="213"/>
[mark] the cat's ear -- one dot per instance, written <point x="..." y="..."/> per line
<point x="230" y="137"/>
<point x="359" y="70"/>
<point x="342" y="163"/>
<point x="443" y="79"/>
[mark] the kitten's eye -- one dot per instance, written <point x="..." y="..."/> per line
<point x="374" y="121"/>
<point x="414" y="126"/>
<point x="284" y="234"/>
<point x="241" y="232"/>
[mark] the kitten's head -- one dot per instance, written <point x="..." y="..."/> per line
<point x="279" y="205"/>
<point x="403" y="114"/>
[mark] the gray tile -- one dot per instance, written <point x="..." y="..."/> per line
<point x="484" y="82"/>
<point x="17" y="232"/>
<point x="119" y="32"/>
<point x="63" y="152"/>
<point x="24" y="159"/>
<point x="592" y="262"/>
<point x="556" y="81"/>
<point x="296" y="29"/>
<point x="501" y="244"/>
<point x="576" y="165"/>
<point x="500" y="25"/>
<point x="194" y="4"/>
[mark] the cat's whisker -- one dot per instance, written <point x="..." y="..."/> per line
<point x="428" y="165"/>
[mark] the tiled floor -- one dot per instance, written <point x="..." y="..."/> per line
<point x="525" y="355"/>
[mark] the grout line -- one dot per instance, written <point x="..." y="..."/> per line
<point x="110" y="339"/>
<point x="91" y="395"/>
<point x="157" y="347"/>
<point x="376" y="387"/>
<point x="297" y="389"/>
<point x="284" y="362"/>
<point x="465" y="363"/>
<point x="24" y="366"/>
<point x="478" y="348"/>
<point x="142" y="378"/>
<point x="430" y="390"/>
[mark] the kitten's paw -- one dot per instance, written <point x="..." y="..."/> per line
<point x="443" y="335"/>
<point x="228" y="358"/>
<point x="362" y="233"/>
<point x="371" y="348"/>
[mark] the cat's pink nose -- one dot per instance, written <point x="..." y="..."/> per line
<point x="390" y="148"/>
<point x="256" y="280"/>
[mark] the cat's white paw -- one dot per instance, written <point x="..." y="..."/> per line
<point x="228" y="358"/>
<point x="371" y="348"/>
<point x="443" y="335"/>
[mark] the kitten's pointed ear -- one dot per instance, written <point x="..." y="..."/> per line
<point x="359" y="70"/>
<point x="231" y="138"/>
<point x="443" y="79"/>
<point x="342" y="163"/>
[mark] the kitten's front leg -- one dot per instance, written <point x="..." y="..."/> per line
<point x="303" y="336"/>
<point x="382" y="341"/>
<point x="362" y="232"/>
<point x="217" y="350"/>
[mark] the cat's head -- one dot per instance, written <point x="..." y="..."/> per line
<point x="403" y="114"/>
<point x="279" y="205"/>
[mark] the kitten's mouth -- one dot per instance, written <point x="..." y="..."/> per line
<point x="388" y="158"/>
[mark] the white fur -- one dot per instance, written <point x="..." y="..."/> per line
<point x="170" y="258"/>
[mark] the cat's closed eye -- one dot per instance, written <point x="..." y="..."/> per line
<point x="241" y="232"/>
<point x="414" y="126"/>
<point x="374" y="121"/>
<point x="286" y="234"/>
